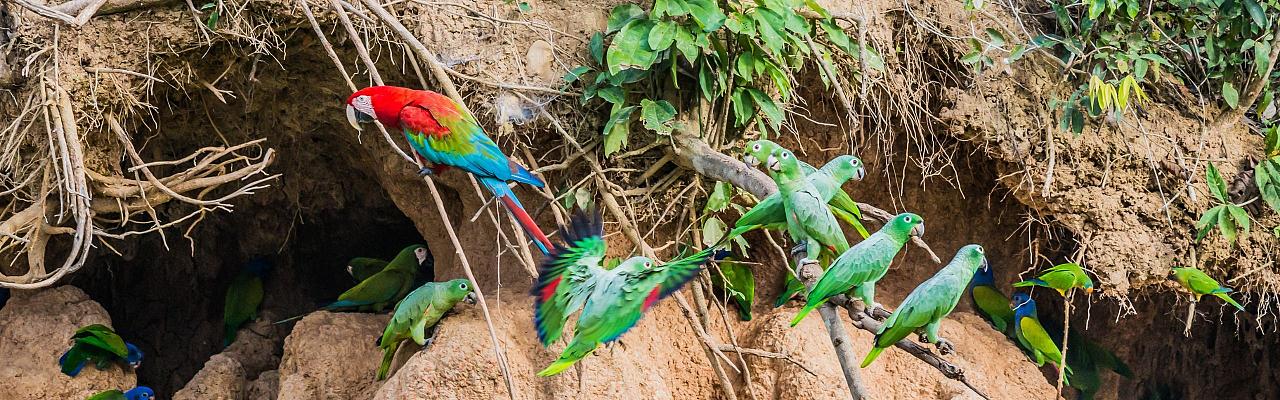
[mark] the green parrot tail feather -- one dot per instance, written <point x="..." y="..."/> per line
<point x="229" y="335"/>
<point x="1230" y="300"/>
<point x="871" y="356"/>
<point x="804" y="312"/>
<point x="1031" y="282"/>
<point x="387" y="356"/>
<point x="790" y="290"/>
<point x="557" y="367"/>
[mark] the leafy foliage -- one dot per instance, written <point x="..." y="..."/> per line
<point x="1230" y="219"/>
<point x="1115" y="47"/>
<point x="1267" y="173"/>
<point x="737" y="283"/>
<point x="742" y="53"/>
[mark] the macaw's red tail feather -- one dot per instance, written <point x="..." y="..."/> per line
<point x="527" y="223"/>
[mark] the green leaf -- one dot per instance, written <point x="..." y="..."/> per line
<point x="1226" y="225"/>
<point x="972" y="58"/>
<point x="657" y="115"/>
<point x="612" y="94"/>
<point x="707" y="82"/>
<point x="212" y="22"/>
<point x="822" y="12"/>
<point x="1140" y="68"/>
<point x="713" y="229"/>
<point x="780" y="79"/>
<point x="745" y="65"/>
<point x="769" y="25"/>
<point x="719" y="199"/>
<point x="662" y="35"/>
<point x="743" y="107"/>
<point x="996" y="39"/>
<point x="1230" y="95"/>
<point x="630" y="48"/>
<point x="1255" y="12"/>
<point x="1207" y="222"/>
<point x="874" y="61"/>
<point x="622" y="15"/>
<point x="685" y="44"/>
<point x="573" y="75"/>
<point x="738" y="283"/>
<point x="1132" y="7"/>
<point x="615" y="131"/>
<point x="971" y="5"/>
<point x="1077" y="121"/>
<point x="1241" y="219"/>
<point x="1017" y="53"/>
<point x="1096" y="7"/>
<point x="837" y="36"/>
<point x="766" y="104"/>
<point x="1216" y="185"/>
<point x="524" y="7"/>
<point x="707" y="14"/>
<point x="1272" y="142"/>
<point x="1261" y="57"/>
<point x="676" y="8"/>
<point x="597" y="48"/>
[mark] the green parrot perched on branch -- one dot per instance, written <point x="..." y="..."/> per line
<point x="420" y="310"/>
<point x="864" y="264"/>
<point x="1201" y="284"/>
<point x="770" y="211"/>
<point x="928" y="303"/>
<point x="1032" y="335"/>
<point x="361" y="268"/>
<point x="1062" y="277"/>
<point x="611" y="300"/>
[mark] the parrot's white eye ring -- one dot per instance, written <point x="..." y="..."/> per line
<point x="907" y="219"/>
<point x="786" y="155"/>
<point x="981" y="251"/>
<point x="364" y="104"/>
<point x="854" y="162"/>
<point x="648" y="265"/>
<point x="464" y="286"/>
<point x="756" y="147"/>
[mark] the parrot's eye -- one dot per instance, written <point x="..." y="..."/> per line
<point x="854" y="162"/>
<point x="463" y="286"/>
<point x="907" y="219"/>
<point x="756" y="147"/>
<point x="786" y="155"/>
<point x="981" y="251"/>
<point x="648" y="265"/>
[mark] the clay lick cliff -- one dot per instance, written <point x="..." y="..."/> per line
<point x="150" y="150"/>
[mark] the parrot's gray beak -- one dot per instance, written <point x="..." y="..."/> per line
<point x="774" y="164"/>
<point x="350" y="271"/>
<point x="471" y="298"/>
<point x="352" y="119"/>
<point x="422" y="255"/>
<point x="859" y="174"/>
<point x="918" y="231"/>
<point x="750" y="160"/>
<point x="135" y="365"/>
<point x="986" y="264"/>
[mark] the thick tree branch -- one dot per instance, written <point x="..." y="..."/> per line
<point x="809" y="273"/>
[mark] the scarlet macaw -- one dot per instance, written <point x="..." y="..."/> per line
<point x="442" y="133"/>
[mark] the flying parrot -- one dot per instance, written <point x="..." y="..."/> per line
<point x="445" y="134"/>
<point x="611" y="300"/>
<point x="989" y="301"/>
<point x="770" y="211"/>
<point x="928" y="303"/>
<point x="243" y="298"/>
<point x="383" y="288"/>
<point x="100" y="345"/>
<point x="1086" y="360"/>
<point x="138" y="393"/>
<point x="863" y="265"/>
<point x="361" y="268"/>
<point x="420" y="310"/>
<point x="1062" y="278"/>
<point x="1201" y="284"/>
<point x="1031" y="334"/>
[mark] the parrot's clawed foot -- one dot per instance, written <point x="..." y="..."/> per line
<point x="945" y="347"/>
<point x="425" y="171"/>
<point x="428" y="342"/>
<point x="799" y="250"/>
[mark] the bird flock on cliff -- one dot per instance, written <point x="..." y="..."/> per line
<point x="609" y="297"/>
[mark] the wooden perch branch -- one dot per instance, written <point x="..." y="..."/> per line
<point x="809" y="273"/>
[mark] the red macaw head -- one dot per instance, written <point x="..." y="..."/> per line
<point x="382" y="103"/>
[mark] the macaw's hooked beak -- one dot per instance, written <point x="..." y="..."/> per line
<point x="774" y="164"/>
<point x="352" y="118"/>
<point x="918" y="230"/>
<point x="471" y="298"/>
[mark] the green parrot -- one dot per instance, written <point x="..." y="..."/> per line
<point x="243" y="298"/>
<point x="1086" y="360"/>
<point x="989" y="301"/>
<point x="362" y="268"/>
<point x="1032" y="335"/>
<point x="420" y="310"/>
<point x="809" y="220"/>
<point x="138" y="393"/>
<point x="1062" y="278"/>
<point x="611" y="300"/>
<point x="864" y="264"/>
<point x="1200" y="284"/>
<point x="100" y="345"/>
<point x="384" y="288"/>
<point x="769" y="212"/>
<point x="928" y="303"/>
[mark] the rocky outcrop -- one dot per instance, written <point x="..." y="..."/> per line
<point x="222" y="378"/>
<point x="35" y="329"/>
<point x="331" y="356"/>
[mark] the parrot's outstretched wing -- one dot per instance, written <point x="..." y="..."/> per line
<point x="656" y="283"/>
<point x="567" y="276"/>
<point x="846" y="209"/>
<point x="819" y="221"/>
<point x="101" y="337"/>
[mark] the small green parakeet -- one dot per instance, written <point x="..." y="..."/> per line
<point x="928" y="303"/>
<point x="863" y="265"/>
<point x="1062" y="278"/>
<point x="1087" y="359"/>
<point x="243" y="298"/>
<point x="100" y="345"/>
<point x="1031" y="333"/>
<point x="420" y="310"/>
<point x="361" y="268"/>
<point x="1201" y="284"/>
<point x="138" y="393"/>
<point x="989" y="301"/>
<point x="611" y="300"/>
<point x="386" y="287"/>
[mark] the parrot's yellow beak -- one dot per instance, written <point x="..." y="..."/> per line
<point x="1088" y="291"/>
<point x="351" y="118"/>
